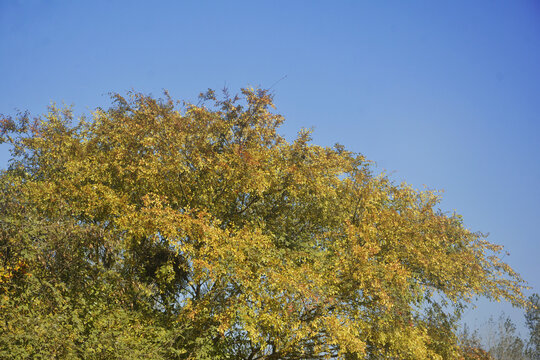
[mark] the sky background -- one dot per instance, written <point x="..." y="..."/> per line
<point x="439" y="94"/>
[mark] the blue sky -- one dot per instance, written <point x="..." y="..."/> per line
<point x="441" y="94"/>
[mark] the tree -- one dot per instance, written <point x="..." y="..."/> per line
<point x="503" y="341"/>
<point x="532" y="318"/>
<point x="161" y="230"/>
<point x="471" y="346"/>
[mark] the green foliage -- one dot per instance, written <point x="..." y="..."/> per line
<point x="502" y="339"/>
<point x="160" y="231"/>
<point x="532" y="318"/>
<point x="504" y="342"/>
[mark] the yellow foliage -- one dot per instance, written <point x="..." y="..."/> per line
<point x="266" y="248"/>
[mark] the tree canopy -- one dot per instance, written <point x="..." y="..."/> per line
<point x="158" y="229"/>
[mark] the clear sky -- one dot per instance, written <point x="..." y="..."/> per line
<point x="442" y="94"/>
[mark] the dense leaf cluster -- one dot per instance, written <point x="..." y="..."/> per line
<point x="160" y="230"/>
